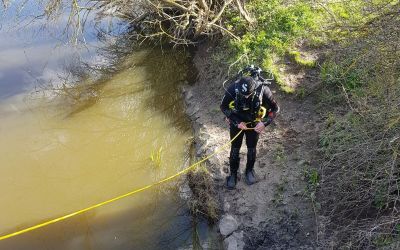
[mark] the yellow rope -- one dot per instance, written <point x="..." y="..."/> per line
<point x="119" y="197"/>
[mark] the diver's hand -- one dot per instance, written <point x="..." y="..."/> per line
<point x="242" y="126"/>
<point x="259" y="127"/>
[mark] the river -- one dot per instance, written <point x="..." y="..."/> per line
<point x="65" y="148"/>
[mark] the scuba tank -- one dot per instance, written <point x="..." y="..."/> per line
<point x="238" y="103"/>
<point x="255" y="73"/>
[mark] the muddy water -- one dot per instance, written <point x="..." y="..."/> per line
<point x="62" y="150"/>
<point x="59" y="156"/>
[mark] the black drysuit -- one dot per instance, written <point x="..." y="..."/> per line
<point x="246" y="110"/>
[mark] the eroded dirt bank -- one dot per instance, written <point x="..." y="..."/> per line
<point x="276" y="212"/>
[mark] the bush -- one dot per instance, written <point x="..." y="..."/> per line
<point x="361" y="169"/>
<point x="279" y="25"/>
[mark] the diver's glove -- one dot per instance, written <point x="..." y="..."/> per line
<point x="259" y="128"/>
<point x="268" y="121"/>
<point x="242" y="126"/>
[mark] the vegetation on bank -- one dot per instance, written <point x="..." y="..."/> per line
<point x="280" y="26"/>
<point x="357" y="185"/>
<point x="358" y="190"/>
<point x="361" y="141"/>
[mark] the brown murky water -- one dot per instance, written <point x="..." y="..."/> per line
<point x="59" y="156"/>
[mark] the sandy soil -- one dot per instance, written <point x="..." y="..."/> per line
<point x="276" y="212"/>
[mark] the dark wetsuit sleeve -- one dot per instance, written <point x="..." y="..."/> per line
<point x="269" y="102"/>
<point x="229" y="97"/>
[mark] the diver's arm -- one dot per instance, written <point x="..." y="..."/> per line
<point x="270" y="102"/>
<point x="228" y="98"/>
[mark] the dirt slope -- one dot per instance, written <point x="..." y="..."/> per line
<point x="276" y="212"/>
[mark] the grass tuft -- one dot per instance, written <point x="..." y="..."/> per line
<point x="155" y="157"/>
<point x="204" y="202"/>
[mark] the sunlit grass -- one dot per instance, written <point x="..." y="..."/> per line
<point x="155" y="157"/>
<point x="295" y="55"/>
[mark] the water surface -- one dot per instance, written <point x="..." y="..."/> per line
<point x="63" y="149"/>
<point x="60" y="156"/>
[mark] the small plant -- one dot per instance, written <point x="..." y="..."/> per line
<point x="344" y="76"/>
<point x="279" y="193"/>
<point x="383" y="240"/>
<point x="301" y="92"/>
<point x="280" y="154"/>
<point x="155" y="157"/>
<point x="313" y="177"/>
<point x="330" y="120"/>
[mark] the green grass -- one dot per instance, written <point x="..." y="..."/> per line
<point x="155" y="157"/>
<point x="279" y="194"/>
<point x="279" y="26"/>
<point x="280" y="155"/>
<point x="296" y="57"/>
<point x="277" y="75"/>
<point x="358" y="97"/>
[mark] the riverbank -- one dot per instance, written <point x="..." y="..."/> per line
<point x="277" y="212"/>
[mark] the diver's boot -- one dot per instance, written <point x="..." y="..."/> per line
<point x="234" y="162"/>
<point x="249" y="173"/>
<point x="231" y="181"/>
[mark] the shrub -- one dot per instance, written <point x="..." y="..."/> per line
<point x="279" y="25"/>
<point x="361" y="170"/>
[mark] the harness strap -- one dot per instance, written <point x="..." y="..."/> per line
<point x="260" y="94"/>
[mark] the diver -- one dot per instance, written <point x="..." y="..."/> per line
<point x="249" y="106"/>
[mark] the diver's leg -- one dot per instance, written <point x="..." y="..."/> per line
<point x="251" y="142"/>
<point x="234" y="159"/>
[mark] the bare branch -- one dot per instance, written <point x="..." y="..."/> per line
<point x="243" y="12"/>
